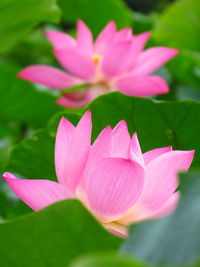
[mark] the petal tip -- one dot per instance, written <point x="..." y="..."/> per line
<point x="176" y="51"/>
<point x="8" y="175"/>
<point x="20" y="75"/>
<point x="47" y="32"/>
<point x="63" y="120"/>
<point x="172" y="52"/>
<point x="120" y="124"/>
<point x="79" y="21"/>
<point x="87" y="114"/>
<point x="135" y="135"/>
<point x="193" y="153"/>
<point x="108" y="129"/>
<point x="112" y="22"/>
<point x="147" y="34"/>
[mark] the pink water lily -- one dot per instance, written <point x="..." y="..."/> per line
<point x="115" y="61"/>
<point x="117" y="183"/>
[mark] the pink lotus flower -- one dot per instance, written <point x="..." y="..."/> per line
<point x="116" y="182"/>
<point x="114" y="62"/>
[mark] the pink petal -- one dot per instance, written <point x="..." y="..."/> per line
<point x="138" y="45"/>
<point x="84" y="37"/>
<point x="169" y="206"/>
<point x="120" y="234"/>
<point x="136" y="213"/>
<point x="64" y="137"/>
<point x="117" y="59"/>
<point x="152" y="154"/>
<point x="76" y="62"/>
<point x="135" y="152"/>
<point x="95" y="90"/>
<point x="113" y="187"/>
<point x="37" y="194"/>
<point x="123" y="35"/>
<point x="120" y="140"/>
<point x="99" y="150"/>
<point x="139" y="41"/>
<point x="68" y="103"/>
<point x="77" y="153"/>
<point x="105" y="37"/>
<point x="117" y="229"/>
<point x="60" y="40"/>
<point x="152" y="59"/>
<point x="142" y="86"/>
<point x="161" y="178"/>
<point x="48" y="76"/>
<point x="75" y="100"/>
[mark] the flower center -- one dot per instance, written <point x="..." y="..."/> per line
<point x="96" y="59"/>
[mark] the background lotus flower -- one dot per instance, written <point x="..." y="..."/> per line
<point x="112" y="177"/>
<point x="114" y="62"/>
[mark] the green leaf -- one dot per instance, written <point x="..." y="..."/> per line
<point x="19" y="17"/>
<point x="53" y="237"/>
<point x="179" y="26"/>
<point x="142" y="22"/>
<point x="105" y="260"/>
<point x="173" y="239"/>
<point x="158" y="123"/>
<point x="35" y="48"/>
<point x="96" y="13"/>
<point x="34" y="157"/>
<point x="21" y="102"/>
<point x="9" y="135"/>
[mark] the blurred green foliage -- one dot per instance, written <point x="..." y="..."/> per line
<point x="96" y="14"/>
<point x="19" y="17"/>
<point x="53" y="237"/>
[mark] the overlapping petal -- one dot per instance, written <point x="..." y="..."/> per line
<point x="62" y="146"/>
<point x="154" y="153"/>
<point x="100" y="149"/>
<point x="138" y="213"/>
<point x="77" y="62"/>
<point x="123" y="35"/>
<point x="120" y="140"/>
<point x="68" y="103"/>
<point x="135" y="152"/>
<point x="113" y="187"/>
<point x="161" y="179"/>
<point x="75" y="99"/>
<point x="117" y="59"/>
<point x="71" y="158"/>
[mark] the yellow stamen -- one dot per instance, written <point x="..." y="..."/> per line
<point x="96" y="59"/>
